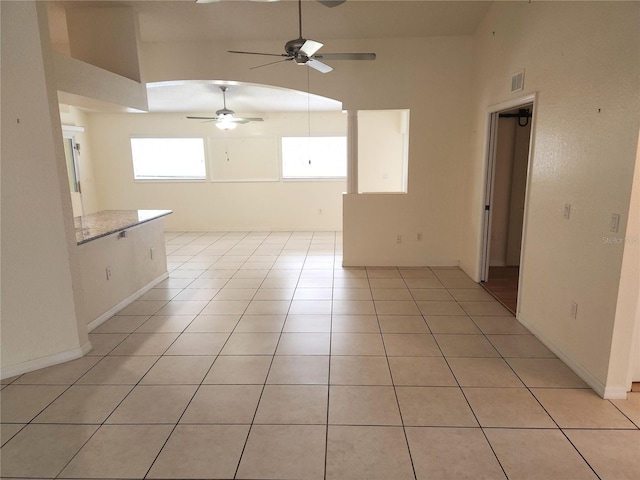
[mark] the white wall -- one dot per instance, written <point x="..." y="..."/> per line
<point x="381" y="150"/>
<point x="584" y="144"/>
<point x="439" y="87"/>
<point x="91" y="28"/>
<point x="211" y="205"/>
<point x="435" y="85"/>
<point x="41" y="292"/>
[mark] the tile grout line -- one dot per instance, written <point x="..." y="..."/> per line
<point x="465" y="396"/>
<point x="504" y="359"/>
<point x="186" y="406"/>
<point x="133" y="386"/>
<point x="532" y="395"/>
<point x="175" y="426"/>
<point x="395" y="391"/>
<point x="264" y="385"/>
<point x="335" y="268"/>
<point x="326" y="436"/>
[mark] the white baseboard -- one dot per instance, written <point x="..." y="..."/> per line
<point x="67" y="355"/>
<point x="96" y="322"/>
<point x="605" y="391"/>
<point x="462" y="266"/>
<point x="615" y="393"/>
<point x="43" y="362"/>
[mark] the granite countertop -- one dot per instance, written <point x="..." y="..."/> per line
<point x="100" y="224"/>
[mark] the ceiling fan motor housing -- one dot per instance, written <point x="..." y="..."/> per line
<point x="292" y="47"/>
<point x="225" y="112"/>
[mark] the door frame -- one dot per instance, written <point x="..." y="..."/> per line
<point x="69" y="133"/>
<point x="490" y="149"/>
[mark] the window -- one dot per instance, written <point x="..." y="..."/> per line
<point x="314" y="157"/>
<point x="168" y="158"/>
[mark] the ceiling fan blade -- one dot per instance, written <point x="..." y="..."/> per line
<point x="346" y="56"/>
<point x="321" y="67"/>
<point x="326" y="3"/>
<point x="250" y="119"/>
<point x="271" y="63"/>
<point x="309" y="47"/>
<point x="259" y="53"/>
<point x="202" y="118"/>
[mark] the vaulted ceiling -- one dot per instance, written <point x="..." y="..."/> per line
<point x="185" y="20"/>
<point x="239" y="20"/>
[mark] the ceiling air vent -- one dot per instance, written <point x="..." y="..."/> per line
<point x="517" y="81"/>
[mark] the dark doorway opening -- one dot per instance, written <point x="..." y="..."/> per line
<point x="508" y="163"/>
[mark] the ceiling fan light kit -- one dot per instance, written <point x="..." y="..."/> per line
<point x="226" y="124"/>
<point x="226" y="119"/>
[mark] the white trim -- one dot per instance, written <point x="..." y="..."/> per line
<point x="72" y="128"/>
<point x="605" y="391"/>
<point x="43" y="362"/>
<point x="615" y="393"/>
<point x="95" y="323"/>
<point x="486" y="151"/>
<point x="67" y="355"/>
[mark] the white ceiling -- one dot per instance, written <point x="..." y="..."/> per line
<point x="237" y="20"/>
<point x="206" y="97"/>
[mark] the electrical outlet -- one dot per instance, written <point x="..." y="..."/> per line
<point x="108" y="270"/>
<point x="574" y="310"/>
<point x="399" y="239"/>
<point x="419" y="237"/>
<point x="614" y="223"/>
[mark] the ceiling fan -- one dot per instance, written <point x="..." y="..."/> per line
<point x="303" y="51"/>
<point x="226" y="119"/>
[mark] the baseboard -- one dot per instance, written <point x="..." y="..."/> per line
<point x="248" y="230"/>
<point x="607" y="392"/>
<point x="470" y="272"/>
<point x="615" y="393"/>
<point x="43" y="362"/>
<point x="73" y="354"/>
<point x="95" y="323"/>
<point x="497" y="263"/>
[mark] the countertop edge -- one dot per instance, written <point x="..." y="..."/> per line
<point x="120" y="228"/>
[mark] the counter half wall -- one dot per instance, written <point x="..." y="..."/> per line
<point x="122" y="255"/>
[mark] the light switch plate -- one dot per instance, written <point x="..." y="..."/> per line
<point x="614" y="223"/>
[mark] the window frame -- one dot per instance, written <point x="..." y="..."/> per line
<point x="284" y="178"/>
<point x="205" y="152"/>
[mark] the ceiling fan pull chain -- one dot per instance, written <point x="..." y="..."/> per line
<point x="309" y="115"/>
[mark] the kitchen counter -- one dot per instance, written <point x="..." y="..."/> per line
<point x="122" y="255"/>
<point x="100" y="224"/>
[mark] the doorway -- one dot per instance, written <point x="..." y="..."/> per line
<point x="71" y="149"/>
<point x="509" y="141"/>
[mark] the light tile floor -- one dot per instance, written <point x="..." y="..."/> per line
<point x="261" y="357"/>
